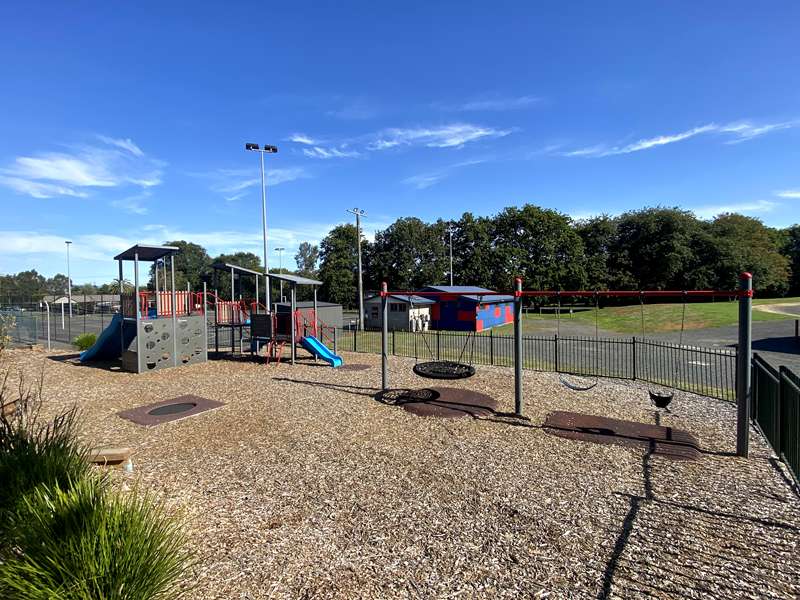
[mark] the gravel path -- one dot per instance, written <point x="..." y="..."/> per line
<point x="303" y="485"/>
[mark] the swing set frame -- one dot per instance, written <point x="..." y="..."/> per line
<point x="744" y="296"/>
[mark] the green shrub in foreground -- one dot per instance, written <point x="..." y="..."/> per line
<point x="89" y="543"/>
<point x="84" y="341"/>
<point x="34" y="453"/>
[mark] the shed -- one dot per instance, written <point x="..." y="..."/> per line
<point x="328" y="313"/>
<point x="406" y="312"/>
<point x="468" y="308"/>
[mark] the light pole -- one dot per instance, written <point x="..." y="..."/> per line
<point x="265" y="150"/>
<point x="280" y="250"/>
<point x="69" y="281"/>
<point x="359" y="213"/>
<point x="450" y="231"/>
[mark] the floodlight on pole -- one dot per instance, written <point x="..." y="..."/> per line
<point x="359" y="213"/>
<point x="69" y="280"/>
<point x="267" y="149"/>
<point x="280" y="250"/>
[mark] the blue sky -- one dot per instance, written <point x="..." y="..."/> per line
<point x="126" y="122"/>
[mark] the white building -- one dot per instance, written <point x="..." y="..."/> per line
<point x="406" y="313"/>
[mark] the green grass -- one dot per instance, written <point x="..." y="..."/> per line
<point x="659" y="318"/>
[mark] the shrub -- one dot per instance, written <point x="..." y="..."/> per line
<point x="32" y="452"/>
<point x="84" y="341"/>
<point x="87" y="543"/>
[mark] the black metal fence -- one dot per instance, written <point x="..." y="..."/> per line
<point x="776" y="410"/>
<point x="703" y="370"/>
<point x="88" y="314"/>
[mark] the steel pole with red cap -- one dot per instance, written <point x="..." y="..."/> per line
<point x="518" y="346"/>
<point x="744" y="357"/>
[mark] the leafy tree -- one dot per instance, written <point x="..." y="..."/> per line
<point x="473" y="251"/>
<point x="599" y="238"/>
<point x="338" y="265"/>
<point x="791" y="249"/>
<point x="57" y="285"/>
<point x="245" y="283"/>
<point x="306" y="259"/>
<point x="656" y="248"/>
<point x="192" y="264"/>
<point x="746" y="244"/>
<point x="410" y="254"/>
<point x="538" y="244"/>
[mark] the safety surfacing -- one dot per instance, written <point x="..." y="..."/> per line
<point x="169" y="410"/>
<point x="659" y="440"/>
<point x="442" y="402"/>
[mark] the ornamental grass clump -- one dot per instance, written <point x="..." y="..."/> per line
<point x="84" y="341"/>
<point x="34" y="452"/>
<point x="86" y="543"/>
<point x="65" y="532"/>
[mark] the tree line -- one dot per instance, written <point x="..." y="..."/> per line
<point x="652" y="248"/>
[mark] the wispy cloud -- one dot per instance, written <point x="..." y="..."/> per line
<point x="793" y="194"/>
<point x="426" y="180"/>
<point x="757" y="206"/>
<point x="500" y="103"/>
<point x="745" y="130"/>
<point x="133" y="204"/>
<point x="302" y="138"/>
<point x="455" y="135"/>
<point x="126" y="144"/>
<point x="737" y="132"/>
<point x="325" y="153"/>
<point x="117" y="163"/>
<point x="234" y="184"/>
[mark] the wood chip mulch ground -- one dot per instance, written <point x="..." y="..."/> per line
<point x="303" y="485"/>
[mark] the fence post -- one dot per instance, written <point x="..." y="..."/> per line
<point x="394" y="342"/>
<point x="437" y="343"/>
<point x="743" y="360"/>
<point x="555" y="341"/>
<point x="491" y="347"/>
<point x="334" y="341"/>
<point x="355" y="340"/>
<point x="633" y="340"/>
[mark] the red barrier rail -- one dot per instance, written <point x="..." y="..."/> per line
<point x="584" y="293"/>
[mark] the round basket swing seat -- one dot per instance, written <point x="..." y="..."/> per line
<point x="444" y="369"/>
<point x="661" y="400"/>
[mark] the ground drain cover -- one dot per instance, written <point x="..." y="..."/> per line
<point x="442" y="402"/>
<point x="169" y="410"/>
<point x="664" y="441"/>
<point x="354" y="367"/>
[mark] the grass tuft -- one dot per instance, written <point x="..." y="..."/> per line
<point x="86" y="543"/>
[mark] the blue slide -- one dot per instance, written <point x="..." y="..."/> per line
<point x="108" y="346"/>
<point x="320" y="350"/>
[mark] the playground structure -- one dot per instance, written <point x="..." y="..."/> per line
<point x="276" y="329"/>
<point x="154" y="329"/>
<point x="268" y="330"/>
<point x="234" y="315"/>
<point x="459" y="370"/>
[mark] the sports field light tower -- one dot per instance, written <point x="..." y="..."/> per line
<point x="265" y="150"/>
<point x="359" y="213"/>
